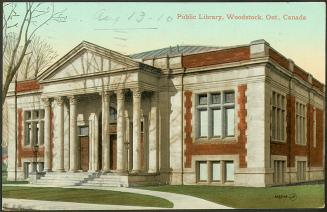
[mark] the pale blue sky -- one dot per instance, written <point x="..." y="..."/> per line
<point x="303" y="41"/>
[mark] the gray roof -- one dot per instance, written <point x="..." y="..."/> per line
<point x="173" y="51"/>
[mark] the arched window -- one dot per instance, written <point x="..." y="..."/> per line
<point x="113" y="114"/>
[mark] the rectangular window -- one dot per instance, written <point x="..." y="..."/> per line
<point x="216" y="117"/>
<point x="230" y="121"/>
<point x="28" y="134"/>
<point x="229" y="97"/>
<point x="34" y="127"/>
<point x="217" y="122"/>
<point x="84" y="131"/>
<point x="279" y="170"/>
<point x="229" y="173"/>
<point x="40" y="167"/>
<point x="26" y="170"/>
<point x="219" y="171"/>
<point x="203" y="171"/>
<point x="278" y="117"/>
<point x="216" y="176"/>
<point x="36" y="133"/>
<point x="216" y="98"/>
<point x="301" y="170"/>
<point x="300" y="123"/>
<point x="203" y="123"/>
<point x="203" y="99"/>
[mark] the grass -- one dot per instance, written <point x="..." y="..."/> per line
<point x="5" y="180"/>
<point x="300" y="196"/>
<point x="84" y="196"/>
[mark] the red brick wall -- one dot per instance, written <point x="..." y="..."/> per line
<point x="24" y="152"/>
<point x="216" y="57"/>
<point x="300" y="73"/>
<point x="316" y="156"/>
<point x="290" y="148"/>
<point x="317" y="84"/>
<point x="27" y="85"/>
<point x="278" y="58"/>
<point x="234" y="147"/>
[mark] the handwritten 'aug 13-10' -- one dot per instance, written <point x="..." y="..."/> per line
<point x="140" y="16"/>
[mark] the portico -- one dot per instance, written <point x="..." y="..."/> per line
<point x="126" y="140"/>
<point x="109" y="115"/>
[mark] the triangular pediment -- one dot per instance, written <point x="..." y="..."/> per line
<point x="87" y="59"/>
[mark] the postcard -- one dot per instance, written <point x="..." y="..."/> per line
<point x="160" y="105"/>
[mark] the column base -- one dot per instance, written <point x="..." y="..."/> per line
<point x="121" y="171"/>
<point x="136" y="171"/>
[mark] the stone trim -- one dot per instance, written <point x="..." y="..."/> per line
<point x="239" y="147"/>
<point x="24" y="152"/>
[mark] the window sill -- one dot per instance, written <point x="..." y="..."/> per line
<point x="30" y="146"/>
<point x="226" y="140"/>
<point x="301" y="144"/>
<point x="278" y="141"/>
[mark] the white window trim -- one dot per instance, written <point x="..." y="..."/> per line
<point x="209" y="106"/>
<point x="285" y="116"/>
<point x="305" y="123"/>
<point x="33" y="121"/>
<point x="209" y="163"/>
<point x="302" y="159"/>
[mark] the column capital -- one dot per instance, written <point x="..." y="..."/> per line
<point x="106" y="92"/>
<point x="120" y="94"/>
<point x="72" y="99"/>
<point x="137" y="92"/>
<point x="46" y="102"/>
<point x="59" y="100"/>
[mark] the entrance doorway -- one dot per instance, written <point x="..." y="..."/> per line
<point x="113" y="151"/>
<point x="84" y="141"/>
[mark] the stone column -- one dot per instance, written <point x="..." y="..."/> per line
<point x="153" y="135"/>
<point x="121" y="167"/>
<point x="136" y="130"/>
<point x="60" y="131"/>
<point x="105" y="131"/>
<point x="73" y="133"/>
<point x="47" y="137"/>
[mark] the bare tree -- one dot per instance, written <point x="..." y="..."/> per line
<point x="40" y="55"/>
<point x="35" y="16"/>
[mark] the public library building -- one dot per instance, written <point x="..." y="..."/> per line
<point x="241" y="115"/>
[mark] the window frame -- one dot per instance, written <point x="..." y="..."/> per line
<point x="278" y="125"/>
<point x="209" y="170"/>
<point x="210" y="107"/>
<point x="35" y="134"/>
<point x="301" y="173"/>
<point x="80" y="128"/>
<point x="302" y="133"/>
<point x="314" y="127"/>
<point x="279" y="171"/>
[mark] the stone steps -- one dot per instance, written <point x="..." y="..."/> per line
<point x="65" y="178"/>
<point x="109" y="180"/>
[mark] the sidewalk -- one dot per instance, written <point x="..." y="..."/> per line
<point x="25" y="204"/>
<point x="180" y="201"/>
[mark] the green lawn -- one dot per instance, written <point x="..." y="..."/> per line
<point x="301" y="196"/>
<point x="84" y="196"/>
<point x="5" y="180"/>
